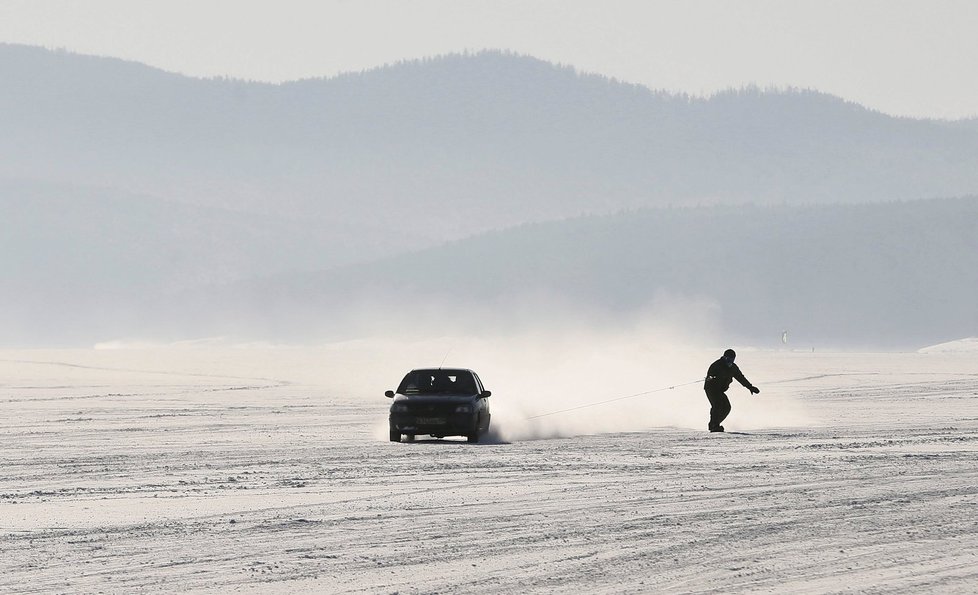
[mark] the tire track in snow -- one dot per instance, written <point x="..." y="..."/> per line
<point x="269" y="489"/>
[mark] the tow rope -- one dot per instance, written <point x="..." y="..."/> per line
<point x="648" y="392"/>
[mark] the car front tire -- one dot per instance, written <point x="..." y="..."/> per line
<point x="395" y="434"/>
<point x="476" y="430"/>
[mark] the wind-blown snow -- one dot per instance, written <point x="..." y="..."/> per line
<point x="259" y="470"/>
<point x="969" y="345"/>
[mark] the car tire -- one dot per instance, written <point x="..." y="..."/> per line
<point x="409" y="437"/>
<point x="395" y="434"/>
<point x="473" y="438"/>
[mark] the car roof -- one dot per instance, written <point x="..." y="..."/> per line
<point x="443" y="370"/>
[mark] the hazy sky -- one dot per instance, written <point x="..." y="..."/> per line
<point x="905" y="57"/>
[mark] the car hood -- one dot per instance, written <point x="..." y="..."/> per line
<point x="435" y="399"/>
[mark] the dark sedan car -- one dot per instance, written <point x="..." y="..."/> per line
<point x="439" y="402"/>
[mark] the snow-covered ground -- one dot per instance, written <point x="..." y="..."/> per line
<point x="207" y="468"/>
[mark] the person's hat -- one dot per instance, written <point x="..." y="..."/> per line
<point x="730" y="354"/>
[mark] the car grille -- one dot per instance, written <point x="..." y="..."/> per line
<point x="430" y="409"/>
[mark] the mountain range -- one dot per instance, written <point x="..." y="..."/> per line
<point x="126" y="185"/>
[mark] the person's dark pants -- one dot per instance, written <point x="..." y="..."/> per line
<point x="719" y="407"/>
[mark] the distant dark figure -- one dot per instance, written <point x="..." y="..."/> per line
<point x="718" y="379"/>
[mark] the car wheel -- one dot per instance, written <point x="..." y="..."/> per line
<point x="409" y="437"/>
<point x="395" y="434"/>
<point x="472" y="438"/>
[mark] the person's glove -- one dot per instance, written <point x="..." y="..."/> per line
<point x="754" y="390"/>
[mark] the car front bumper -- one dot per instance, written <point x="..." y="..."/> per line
<point x="454" y="424"/>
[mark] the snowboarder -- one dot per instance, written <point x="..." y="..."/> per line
<point x="718" y="379"/>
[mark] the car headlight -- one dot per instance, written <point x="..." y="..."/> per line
<point x="463" y="409"/>
<point x="399" y="408"/>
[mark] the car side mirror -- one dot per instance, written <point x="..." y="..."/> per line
<point x="486" y="394"/>
<point x="389" y="394"/>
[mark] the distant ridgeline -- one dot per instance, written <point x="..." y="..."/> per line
<point x="883" y="275"/>
<point x="147" y="188"/>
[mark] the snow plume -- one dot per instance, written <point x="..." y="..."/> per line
<point x="573" y="383"/>
<point x="580" y="383"/>
<point x="535" y="379"/>
<point x="561" y="384"/>
<point x="537" y="373"/>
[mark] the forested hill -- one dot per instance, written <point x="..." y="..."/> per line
<point x="894" y="275"/>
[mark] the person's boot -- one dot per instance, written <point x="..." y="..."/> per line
<point x="715" y="428"/>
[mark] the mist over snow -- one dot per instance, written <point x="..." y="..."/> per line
<point x="899" y="275"/>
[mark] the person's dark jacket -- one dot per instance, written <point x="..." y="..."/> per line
<point x="720" y="375"/>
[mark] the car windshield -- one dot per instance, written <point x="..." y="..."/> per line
<point x="435" y="382"/>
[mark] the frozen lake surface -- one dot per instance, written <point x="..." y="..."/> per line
<point x="262" y="469"/>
